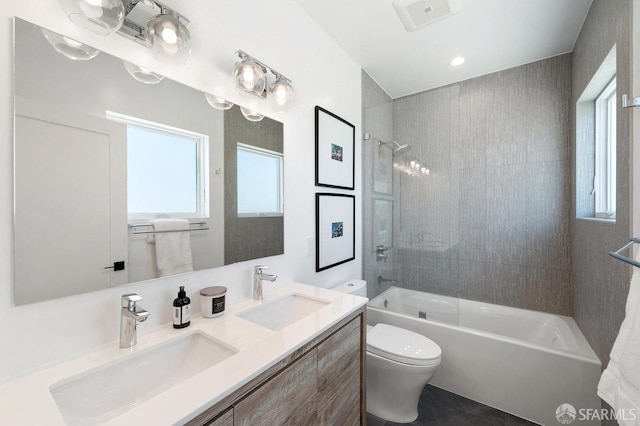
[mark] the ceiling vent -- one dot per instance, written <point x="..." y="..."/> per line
<point x="416" y="14"/>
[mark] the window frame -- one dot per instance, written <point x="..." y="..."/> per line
<point x="202" y="166"/>
<point x="604" y="184"/>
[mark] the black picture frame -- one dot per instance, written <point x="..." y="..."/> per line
<point x="335" y="229"/>
<point x="335" y="150"/>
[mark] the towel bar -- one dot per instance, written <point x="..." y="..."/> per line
<point x="133" y="227"/>
<point x="625" y="259"/>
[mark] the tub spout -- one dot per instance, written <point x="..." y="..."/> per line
<point x="385" y="280"/>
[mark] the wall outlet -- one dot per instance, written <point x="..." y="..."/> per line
<point x="310" y="246"/>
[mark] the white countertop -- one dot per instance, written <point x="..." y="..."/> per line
<point x="28" y="401"/>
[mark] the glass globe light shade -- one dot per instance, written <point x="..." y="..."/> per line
<point x="69" y="47"/>
<point x="141" y="74"/>
<point x="170" y="39"/>
<point x="217" y="102"/>
<point x="249" y="76"/>
<point x="251" y="115"/>
<point x="99" y="16"/>
<point x="281" y="94"/>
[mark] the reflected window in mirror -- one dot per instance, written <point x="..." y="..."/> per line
<point x="260" y="177"/>
<point x="166" y="170"/>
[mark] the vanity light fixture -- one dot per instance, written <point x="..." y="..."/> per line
<point x="69" y="47"/>
<point x="141" y="74"/>
<point x="282" y="94"/>
<point x="148" y="22"/>
<point x="251" y="75"/>
<point x="170" y="38"/>
<point x="217" y="102"/>
<point x="251" y="115"/>
<point x="100" y="16"/>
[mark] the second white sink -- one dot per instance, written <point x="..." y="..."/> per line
<point x="99" y="395"/>
<point x="282" y="312"/>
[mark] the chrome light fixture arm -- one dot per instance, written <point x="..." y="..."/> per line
<point x="139" y="12"/>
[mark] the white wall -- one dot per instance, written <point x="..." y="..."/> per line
<point x="289" y="41"/>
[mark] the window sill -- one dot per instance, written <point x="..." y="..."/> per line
<point x="597" y="219"/>
<point x="241" y="215"/>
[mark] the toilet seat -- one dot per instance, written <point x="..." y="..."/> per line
<point x="402" y="345"/>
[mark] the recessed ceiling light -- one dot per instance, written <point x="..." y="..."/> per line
<point x="459" y="60"/>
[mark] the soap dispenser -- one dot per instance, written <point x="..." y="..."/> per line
<point x="181" y="310"/>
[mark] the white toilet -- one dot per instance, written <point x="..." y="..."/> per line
<point x="399" y="365"/>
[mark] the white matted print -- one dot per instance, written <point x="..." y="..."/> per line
<point x="335" y="230"/>
<point x="335" y="146"/>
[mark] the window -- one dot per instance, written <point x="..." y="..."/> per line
<point x="595" y="154"/>
<point x="605" y="152"/>
<point x="260" y="189"/>
<point x="167" y="170"/>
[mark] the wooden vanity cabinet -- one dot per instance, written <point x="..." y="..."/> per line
<point x="224" y="419"/>
<point x="321" y="383"/>
<point x="287" y="399"/>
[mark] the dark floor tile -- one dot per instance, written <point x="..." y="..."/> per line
<point x="438" y="407"/>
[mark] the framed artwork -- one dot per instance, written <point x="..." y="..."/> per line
<point x="335" y="230"/>
<point x="335" y="150"/>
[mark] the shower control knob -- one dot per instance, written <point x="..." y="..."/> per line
<point x="380" y="253"/>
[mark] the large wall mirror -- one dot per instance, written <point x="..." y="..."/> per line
<point x="119" y="181"/>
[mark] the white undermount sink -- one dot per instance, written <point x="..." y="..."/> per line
<point x="106" y="392"/>
<point x="282" y="312"/>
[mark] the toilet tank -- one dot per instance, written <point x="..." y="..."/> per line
<point x="355" y="287"/>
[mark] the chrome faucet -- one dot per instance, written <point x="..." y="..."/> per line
<point x="130" y="315"/>
<point x="258" y="277"/>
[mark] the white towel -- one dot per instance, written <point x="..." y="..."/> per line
<point x="620" y="382"/>
<point x="173" y="249"/>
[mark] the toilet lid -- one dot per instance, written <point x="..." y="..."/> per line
<point x="402" y="345"/>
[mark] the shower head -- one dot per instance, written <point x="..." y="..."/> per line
<point x="396" y="147"/>
<point x="401" y="149"/>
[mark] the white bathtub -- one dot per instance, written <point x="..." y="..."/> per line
<point x="523" y="362"/>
